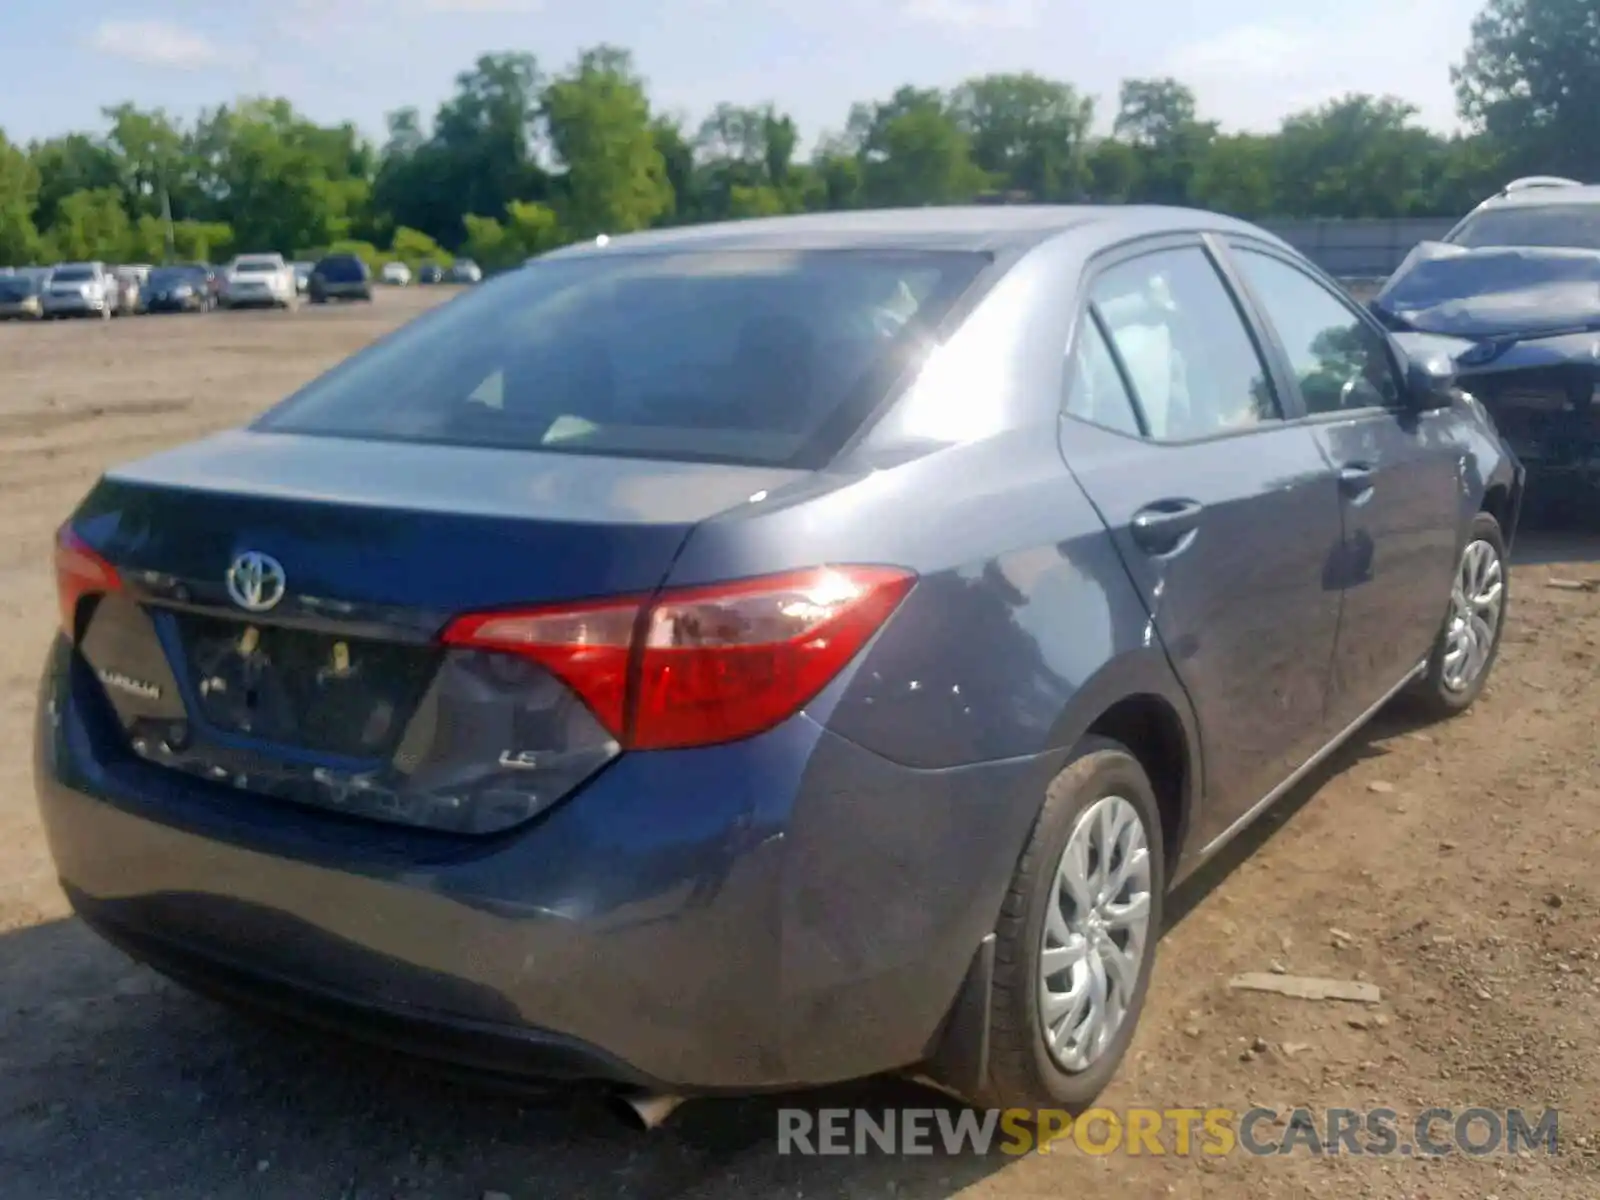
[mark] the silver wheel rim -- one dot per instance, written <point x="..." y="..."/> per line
<point x="1095" y="929"/>
<point x="1476" y="602"/>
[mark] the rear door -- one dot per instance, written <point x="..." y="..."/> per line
<point x="1226" y="515"/>
<point x="1401" y="475"/>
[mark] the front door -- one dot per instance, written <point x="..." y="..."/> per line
<point x="1226" y="516"/>
<point x="1400" y="475"/>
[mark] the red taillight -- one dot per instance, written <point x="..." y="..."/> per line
<point x="80" y="572"/>
<point x="696" y="666"/>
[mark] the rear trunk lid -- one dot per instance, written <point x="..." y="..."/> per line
<point x="278" y="624"/>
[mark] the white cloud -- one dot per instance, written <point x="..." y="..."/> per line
<point x="1249" y="76"/>
<point x="481" y="6"/>
<point x="155" y="43"/>
<point x="974" y="14"/>
<point x="1258" y="51"/>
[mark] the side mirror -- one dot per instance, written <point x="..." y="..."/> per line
<point x="1430" y="380"/>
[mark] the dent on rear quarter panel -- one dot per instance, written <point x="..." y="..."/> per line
<point x="942" y="737"/>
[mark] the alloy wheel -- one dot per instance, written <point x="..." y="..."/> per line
<point x="1095" y="931"/>
<point x="1476" y="602"/>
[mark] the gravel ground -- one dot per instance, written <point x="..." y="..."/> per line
<point x="1453" y="866"/>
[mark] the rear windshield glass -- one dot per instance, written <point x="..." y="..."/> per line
<point x="172" y="276"/>
<point x="12" y="286"/>
<point x="256" y="266"/>
<point x="73" y="274"/>
<point x="757" y="357"/>
<point x="1576" y="226"/>
<point x="341" y="269"/>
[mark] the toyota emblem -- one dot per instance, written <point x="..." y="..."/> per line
<point x="256" y="582"/>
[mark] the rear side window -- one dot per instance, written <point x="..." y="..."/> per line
<point x="1095" y="391"/>
<point x="1340" y="361"/>
<point x="1194" y="366"/>
<point x="759" y="357"/>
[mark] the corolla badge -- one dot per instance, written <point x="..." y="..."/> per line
<point x="256" y="581"/>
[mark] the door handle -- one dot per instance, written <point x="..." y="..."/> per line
<point x="1355" y="479"/>
<point x="1166" y="526"/>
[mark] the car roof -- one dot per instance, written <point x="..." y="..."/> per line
<point x="981" y="228"/>
<point x="1578" y="193"/>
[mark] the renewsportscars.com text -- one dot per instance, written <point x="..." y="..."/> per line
<point x="1212" y="1132"/>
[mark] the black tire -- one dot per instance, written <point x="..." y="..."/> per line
<point x="1431" y="695"/>
<point x="1022" y="1071"/>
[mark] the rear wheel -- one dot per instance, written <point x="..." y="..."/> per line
<point x="1077" y="935"/>
<point x="1469" y="642"/>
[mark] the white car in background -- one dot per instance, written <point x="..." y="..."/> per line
<point x="81" y="289"/>
<point x="396" y="273"/>
<point x="259" y="279"/>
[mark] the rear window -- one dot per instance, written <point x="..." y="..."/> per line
<point x="343" y="269"/>
<point x="256" y="266"/>
<point x="16" y="286"/>
<point x="73" y="274"/>
<point x="752" y="357"/>
<point x="1572" y="226"/>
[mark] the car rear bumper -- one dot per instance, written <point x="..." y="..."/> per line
<point x="788" y="910"/>
<point x="73" y="304"/>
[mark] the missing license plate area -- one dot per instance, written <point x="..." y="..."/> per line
<point x="314" y="691"/>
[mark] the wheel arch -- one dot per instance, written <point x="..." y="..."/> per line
<point x="1137" y="701"/>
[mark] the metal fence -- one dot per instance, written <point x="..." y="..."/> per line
<point x="1363" y="249"/>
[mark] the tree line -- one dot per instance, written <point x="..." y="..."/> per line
<point x="517" y="161"/>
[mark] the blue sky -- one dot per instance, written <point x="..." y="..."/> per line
<point x="1249" y="61"/>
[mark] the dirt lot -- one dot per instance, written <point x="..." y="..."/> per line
<point x="1454" y="866"/>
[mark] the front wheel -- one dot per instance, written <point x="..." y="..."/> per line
<point x="1469" y="642"/>
<point x="1077" y="935"/>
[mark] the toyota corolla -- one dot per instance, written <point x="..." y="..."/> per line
<point x="766" y="654"/>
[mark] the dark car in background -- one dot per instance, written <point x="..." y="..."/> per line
<point x="21" y="297"/>
<point x="340" y="277"/>
<point x="1512" y="295"/>
<point x="765" y="654"/>
<point x="430" y="272"/>
<point x="180" y="289"/>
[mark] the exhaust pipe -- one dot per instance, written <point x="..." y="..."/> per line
<point x="645" y="1110"/>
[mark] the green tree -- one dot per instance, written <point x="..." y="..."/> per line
<point x="1531" y="79"/>
<point x="153" y="160"/>
<point x="1235" y="176"/>
<point x="914" y="151"/>
<point x="615" y="180"/>
<point x="91" y="225"/>
<point x="412" y="246"/>
<point x="1029" y="133"/>
<point x="1157" y="118"/>
<point x="19" y="191"/>
<point x="75" y="162"/>
<point x="1359" y="156"/>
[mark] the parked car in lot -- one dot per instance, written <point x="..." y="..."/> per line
<point x="430" y="272"/>
<point x="768" y="653"/>
<point x="130" y="286"/>
<point x="1512" y="295"/>
<point x="464" y="270"/>
<point x="341" y="277"/>
<point x="302" y="276"/>
<point x="20" y="298"/>
<point x="184" y="288"/>
<point x="81" y="290"/>
<point x="255" y="280"/>
<point x="397" y="274"/>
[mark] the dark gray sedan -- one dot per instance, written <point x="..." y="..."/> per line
<point x="764" y="654"/>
